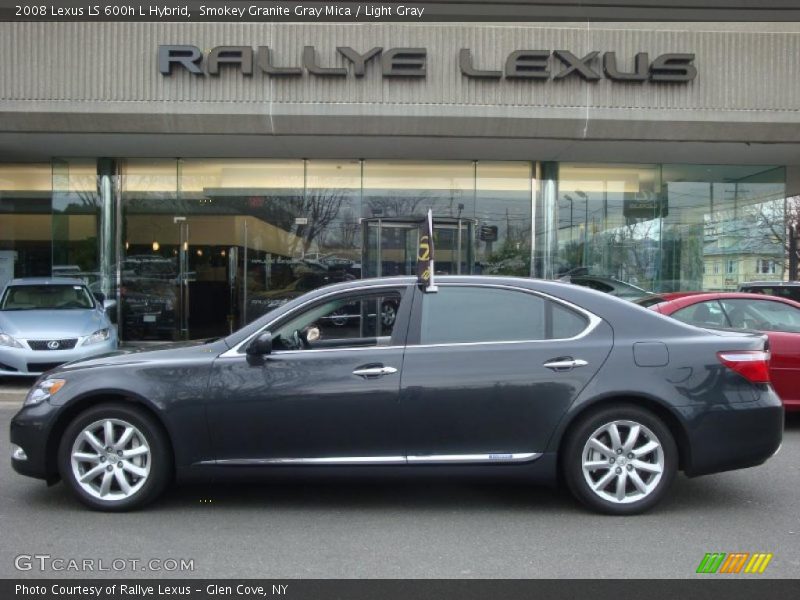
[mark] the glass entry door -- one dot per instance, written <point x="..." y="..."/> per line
<point x="390" y="246"/>
<point x="177" y="278"/>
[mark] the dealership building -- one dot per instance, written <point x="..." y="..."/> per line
<point x="201" y="173"/>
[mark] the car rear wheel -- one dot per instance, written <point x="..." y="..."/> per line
<point x="114" y="457"/>
<point x="620" y="460"/>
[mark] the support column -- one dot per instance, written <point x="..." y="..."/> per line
<point x="106" y="236"/>
<point x="546" y="222"/>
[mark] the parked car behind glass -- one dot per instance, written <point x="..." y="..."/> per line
<point x="45" y="322"/>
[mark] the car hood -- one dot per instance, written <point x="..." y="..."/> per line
<point x="161" y="354"/>
<point x="51" y="324"/>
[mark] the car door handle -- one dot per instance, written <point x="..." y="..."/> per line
<point x="565" y="363"/>
<point x="371" y="372"/>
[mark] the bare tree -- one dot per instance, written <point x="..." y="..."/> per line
<point x="770" y="223"/>
<point x="320" y="207"/>
<point x="401" y="206"/>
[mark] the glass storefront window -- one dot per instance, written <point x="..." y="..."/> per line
<point x="608" y="223"/>
<point x="25" y="221"/>
<point x="77" y="215"/>
<point x="303" y="232"/>
<point x="728" y="215"/>
<point x="397" y="194"/>
<point x="503" y="207"/>
<point x="245" y="236"/>
<point x="203" y="246"/>
<point x="150" y="286"/>
<point x="331" y="209"/>
<point x="669" y="227"/>
<point x="407" y="189"/>
<point x="213" y="244"/>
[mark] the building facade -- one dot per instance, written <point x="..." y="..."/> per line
<point x="202" y="173"/>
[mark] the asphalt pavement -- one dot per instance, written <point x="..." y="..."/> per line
<point x="402" y="529"/>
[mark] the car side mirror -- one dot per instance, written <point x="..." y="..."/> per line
<point x="108" y="304"/>
<point x="261" y="345"/>
<point x="100" y="297"/>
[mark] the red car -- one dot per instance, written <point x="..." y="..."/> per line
<point x="778" y="318"/>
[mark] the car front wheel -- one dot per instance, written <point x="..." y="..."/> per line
<point x="114" y="457"/>
<point x="620" y="460"/>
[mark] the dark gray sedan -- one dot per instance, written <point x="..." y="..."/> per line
<point x="488" y="376"/>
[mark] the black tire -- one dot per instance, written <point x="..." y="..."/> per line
<point x="576" y="443"/>
<point x="159" y="461"/>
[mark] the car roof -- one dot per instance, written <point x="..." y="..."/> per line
<point x="602" y="305"/>
<point x="46" y="281"/>
<point x="690" y="299"/>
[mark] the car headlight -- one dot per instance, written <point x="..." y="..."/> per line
<point x="101" y="335"/>
<point x="43" y="390"/>
<point x="7" y="340"/>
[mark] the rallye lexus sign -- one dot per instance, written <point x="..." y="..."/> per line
<point x="413" y="62"/>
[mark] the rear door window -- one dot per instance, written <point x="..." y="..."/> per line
<point x="463" y="314"/>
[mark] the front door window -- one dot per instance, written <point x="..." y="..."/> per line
<point x="343" y="322"/>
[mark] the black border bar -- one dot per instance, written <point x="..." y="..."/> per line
<point x="707" y="587"/>
<point x="434" y="10"/>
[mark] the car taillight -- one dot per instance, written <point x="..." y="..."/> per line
<point x="753" y="365"/>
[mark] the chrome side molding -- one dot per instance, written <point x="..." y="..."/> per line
<point x="495" y="457"/>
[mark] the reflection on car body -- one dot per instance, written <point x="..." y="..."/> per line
<point x="260" y="303"/>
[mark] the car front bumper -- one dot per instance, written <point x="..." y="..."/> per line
<point x="29" y="431"/>
<point x="24" y="362"/>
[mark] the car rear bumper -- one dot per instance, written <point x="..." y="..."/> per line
<point x="734" y="436"/>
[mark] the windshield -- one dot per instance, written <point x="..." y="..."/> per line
<point x="46" y="297"/>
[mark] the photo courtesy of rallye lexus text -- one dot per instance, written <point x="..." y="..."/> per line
<point x="520" y="378"/>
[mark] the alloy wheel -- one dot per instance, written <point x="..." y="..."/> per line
<point x="622" y="461"/>
<point x="110" y="459"/>
<point x="388" y="314"/>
